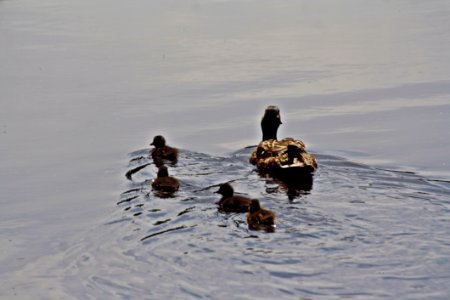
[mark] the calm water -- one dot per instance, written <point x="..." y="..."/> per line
<point x="84" y="86"/>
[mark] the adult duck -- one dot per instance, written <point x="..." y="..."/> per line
<point x="286" y="157"/>
<point x="230" y="202"/>
<point x="162" y="151"/>
<point x="165" y="183"/>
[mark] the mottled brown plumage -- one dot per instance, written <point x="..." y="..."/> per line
<point x="165" y="183"/>
<point x="230" y="202"/>
<point x="258" y="217"/>
<point x="280" y="156"/>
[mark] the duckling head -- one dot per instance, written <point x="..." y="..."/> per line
<point x="293" y="152"/>
<point x="226" y="190"/>
<point x="158" y="141"/>
<point x="270" y="122"/>
<point x="163" y="171"/>
<point x="255" y="205"/>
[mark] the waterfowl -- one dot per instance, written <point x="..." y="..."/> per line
<point x="163" y="152"/>
<point x="258" y="217"/>
<point x="165" y="183"/>
<point x="283" y="157"/>
<point x="231" y="203"/>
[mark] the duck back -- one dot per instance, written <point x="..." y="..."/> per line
<point x="234" y="204"/>
<point x="273" y="155"/>
<point x="167" y="184"/>
<point x="165" y="153"/>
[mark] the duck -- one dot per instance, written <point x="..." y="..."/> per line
<point x="162" y="151"/>
<point x="287" y="156"/>
<point x="230" y="202"/>
<point x="165" y="183"/>
<point x="258" y="217"/>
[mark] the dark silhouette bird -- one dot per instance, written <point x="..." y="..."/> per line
<point x="260" y="218"/>
<point x="163" y="152"/>
<point x="165" y="183"/>
<point x="231" y="203"/>
<point x="286" y="157"/>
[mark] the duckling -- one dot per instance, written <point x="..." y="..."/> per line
<point x="231" y="203"/>
<point x="258" y="217"/>
<point x="273" y="155"/>
<point x="165" y="183"/>
<point x="162" y="151"/>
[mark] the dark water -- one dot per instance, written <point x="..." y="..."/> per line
<point x="360" y="233"/>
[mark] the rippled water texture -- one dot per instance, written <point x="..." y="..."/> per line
<point x="360" y="233"/>
<point x="85" y="85"/>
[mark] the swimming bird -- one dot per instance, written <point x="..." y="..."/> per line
<point x="281" y="157"/>
<point x="165" y="183"/>
<point x="258" y="217"/>
<point x="163" y="152"/>
<point x="231" y="203"/>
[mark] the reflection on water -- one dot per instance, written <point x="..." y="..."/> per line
<point x="360" y="232"/>
<point x="81" y="83"/>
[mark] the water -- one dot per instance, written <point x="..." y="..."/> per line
<point x="362" y="233"/>
<point x="84" y="86"/>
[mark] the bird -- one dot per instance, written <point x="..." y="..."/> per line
<point x="165" y="183"/>
<point x="163" y="152"/>
<point x="231" y="203"/>
<point x="282" y="157"/>
<point x="258" y="217"/>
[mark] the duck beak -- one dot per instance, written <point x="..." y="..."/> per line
<point x="152" y="144"/>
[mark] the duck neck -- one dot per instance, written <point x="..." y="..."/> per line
<point x="270" y="123"/>
<point x="163" y="172"/>
<point x="269" y="127"/>
<point x="269" y="133"/>
<point x="254" y="206"/>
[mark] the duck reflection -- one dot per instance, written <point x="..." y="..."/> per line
<point x="294" y="185"/>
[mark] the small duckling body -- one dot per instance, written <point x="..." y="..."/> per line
<point x="280" y="156"/>
<point x="230" y="202"/>
<point x="163" y="152"/>
<point x="165" y="183"/>
<point x="258" y="217"/>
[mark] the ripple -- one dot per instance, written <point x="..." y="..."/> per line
<point x="359" y="232"/>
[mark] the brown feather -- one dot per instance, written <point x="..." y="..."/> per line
<point x="258" y="216"/>
<point x="162" y="152"/>
<point x="273" y="155"/>
<point x="230" y="202"/>
<point x="165" y="183"/>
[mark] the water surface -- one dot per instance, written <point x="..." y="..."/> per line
<point x="361" y="233"/>
<point x="84" y="85"/>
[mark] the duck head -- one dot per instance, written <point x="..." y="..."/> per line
<point x="270" y="122"/>
<point x="158" y="141"/>
<point x="163" y="171"/>
<point x="255" y="205"/>
<point x="293" y="152"/>
<point x="226" y="190"/>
